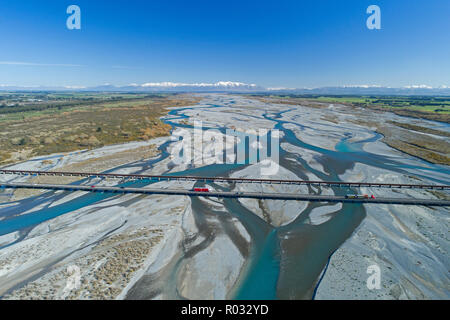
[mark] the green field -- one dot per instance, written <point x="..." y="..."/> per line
<point x="424" y="104"/>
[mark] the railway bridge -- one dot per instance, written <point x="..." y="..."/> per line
<point x="225" y="179"/>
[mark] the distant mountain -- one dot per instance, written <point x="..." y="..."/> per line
<point x="31" y="88"/>
<point x="367" y="90"/>
<point x="221" y="86"/>
<point x="240" y="87"/>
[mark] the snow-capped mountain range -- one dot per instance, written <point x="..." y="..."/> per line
<point x="230" y="86"/>
<point x="220" y="86"/>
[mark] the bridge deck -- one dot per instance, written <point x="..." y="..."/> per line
<point x="253" y="195"/>
<point x="229" y="180"/>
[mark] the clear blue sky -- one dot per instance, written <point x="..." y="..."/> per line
<point x="270" y="43"/>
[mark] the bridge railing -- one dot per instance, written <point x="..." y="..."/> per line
<point x="228" y="194"/>
<point x="226" y="179"/>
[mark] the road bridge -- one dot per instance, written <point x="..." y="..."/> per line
<point x="217" y="194"/>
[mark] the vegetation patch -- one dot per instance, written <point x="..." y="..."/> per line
<point x="420" y="129"/>
<point x="431" y="149"/>
<point x="81" y="122"/>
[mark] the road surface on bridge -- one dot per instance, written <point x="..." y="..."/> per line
<point x="252" y="195"/>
